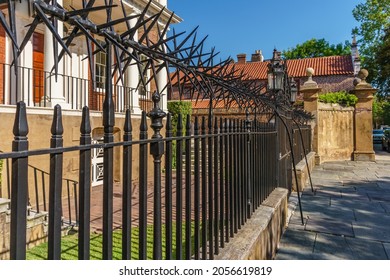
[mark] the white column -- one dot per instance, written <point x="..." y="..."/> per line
<point x="24" y="83"/>
<point x="162" y="78"/>
<point x="133" y="79"/>
<point x="54" y="89"/>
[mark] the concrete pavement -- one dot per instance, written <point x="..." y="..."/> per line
<point x="346" y="217"/>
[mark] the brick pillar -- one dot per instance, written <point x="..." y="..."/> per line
<point x="364" y="148"/>
<point x="310" y="92"/>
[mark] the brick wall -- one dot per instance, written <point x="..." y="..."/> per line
<point x="332" y="83"/>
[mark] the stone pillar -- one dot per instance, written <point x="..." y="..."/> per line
<point x="310" y="92"/>
<point x="364" y="148"/>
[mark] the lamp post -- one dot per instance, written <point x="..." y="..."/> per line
<point x="276" y="72"/>
<point x="293" y="90"/>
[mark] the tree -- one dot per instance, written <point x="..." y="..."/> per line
<point x="374" y="18"/>
<point x="316" y="48"/>
<point x="382" y="62"/>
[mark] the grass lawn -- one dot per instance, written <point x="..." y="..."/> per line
<point x="69" y="245"/>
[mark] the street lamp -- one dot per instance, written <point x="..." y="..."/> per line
<point x="293" y="90"/>
<point x="276" y="72"/>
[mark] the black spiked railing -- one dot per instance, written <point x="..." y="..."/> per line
<point x="143" y="189"/>
<point x="19" y="189"/>
<point x="127" y="188"/>
<point x="55" y="192"/>
<point x="168" y="190"/>
<point x="85" y="187"/>
<point x="188" y="191"/>
<point x="233" y="167"/>
<point x="157" y="150"/>
<point x="179" y="188"/>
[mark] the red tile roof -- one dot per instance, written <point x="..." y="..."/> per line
<point x="217" y="104"/>
<point x="323" y="66"/>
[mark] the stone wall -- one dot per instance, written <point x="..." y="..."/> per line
<point x="335" y="132"/>
<point x="258" y="239"/>
<point x="36" y="229"/>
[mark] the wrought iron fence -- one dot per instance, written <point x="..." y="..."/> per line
<point x="225" y="169"/>
<point x="237" y="163"/>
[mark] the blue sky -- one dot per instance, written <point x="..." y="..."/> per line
<point x="248" y="25"/>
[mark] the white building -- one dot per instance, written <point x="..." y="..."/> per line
<point x="73" y="88"/>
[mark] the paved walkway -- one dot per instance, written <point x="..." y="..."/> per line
<point x="347" y="216"/>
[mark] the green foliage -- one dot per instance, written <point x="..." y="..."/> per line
<point x="179" y="107"/>
<point x="341" y="97"/>
<point x="316" y="48"/>
<point x="176" y="108"/>
<point x="374" y="19"/>
<point x="381" y="111"/>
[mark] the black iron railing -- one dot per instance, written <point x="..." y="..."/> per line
<point x="225" y="169"/>
<point x="38" y="194"/>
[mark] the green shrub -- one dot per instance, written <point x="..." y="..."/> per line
<point x="176" y="108"/>
<point x="341" y="97"/>
<point x="179" y="107"/>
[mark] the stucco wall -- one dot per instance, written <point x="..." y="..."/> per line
<point x="335" y="132"/>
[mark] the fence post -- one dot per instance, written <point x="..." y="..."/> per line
<point x="108" y="168"/>
<point x="188" y="194"/>
<point x="55" y="187"/>
<point x="85" y="187"/>
<point x="143" y="188"/>
<point x="179" y="186"/>
<point x="248" y="167"/>
<point x="19" y="186"/>
<point x="157" y="150"/>
<point x="126" y="197"/>
<point x="168" y="190"/>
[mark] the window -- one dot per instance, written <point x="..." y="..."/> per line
<point x="143" y="75"/>
<point x="100" y="69"/>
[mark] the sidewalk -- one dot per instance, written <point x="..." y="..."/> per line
<point x="347" y="216"/>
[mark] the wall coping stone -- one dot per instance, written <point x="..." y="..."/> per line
<point x="241" y="245"/>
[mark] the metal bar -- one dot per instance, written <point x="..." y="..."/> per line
<point x="126" y="188"/>
<point x="108" y="161"/>
<point x="55" y="191"/>
<point x="188" y="191"/>
<point x="222" y="180"/>
<point x="44" y="191"/>
<point x="216" y="186"/>
<point x="69" y="205"/>
<point x="227" y="180"/>
<point x="157" y="150"/>
<point x="243" y="177"/>
<point x="204" y="190"/>
<point x="179" y="190"/>
<point x="76" y="206"/>
<point x="143" y="189"/>
<point x="231" y="179"/>
<point x="236" y="177"/>
<point x="210" y="188"/>
<point x="168" y="190"/>
<point x="19" y="186"/>
<point x="36" y="189"/>
<point x="196" y="190"/>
